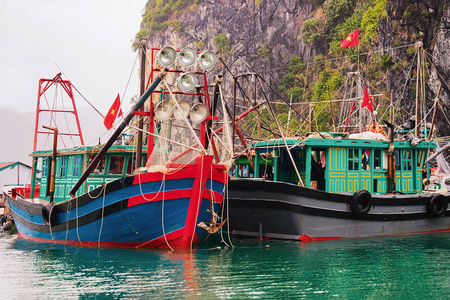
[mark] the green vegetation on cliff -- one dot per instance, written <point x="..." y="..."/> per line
<point x="160" y="14"/>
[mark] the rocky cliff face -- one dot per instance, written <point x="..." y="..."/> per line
<point x="263" y="35"/>
<point x="275" y="25"/>
<point x="425" y="21"/>
<point x="440" y="74"/>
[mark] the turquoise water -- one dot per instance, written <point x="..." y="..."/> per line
<point x="402" y="267"/>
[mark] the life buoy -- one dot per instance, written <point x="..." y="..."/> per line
<point x="48" y="215"/>
<point x="361" y="202"/>
<point x="437" y="205"/>
<point x="375" y="127"/>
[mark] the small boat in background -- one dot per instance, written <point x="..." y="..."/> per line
<point x="103" y="197"/>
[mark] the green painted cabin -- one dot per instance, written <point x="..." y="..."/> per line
<point x="338" y="164"/>
<point x="71" y="163"/>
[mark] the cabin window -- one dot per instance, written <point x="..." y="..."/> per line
<point x="406" y="160"/>
<point x="385" y="160"/>
<point x="100" y="168"/>
<point x="419" y="158"/>
<point x="116" y="164"/>
<point x="76" y="166"/>
<point x="365" y="159"/>
<point x="44" y="167"/>
<point x="241" y="171"/>
<point x="301" y="159"/>
<point x="353" y="159"/>
<point x="62" y="167"/>
<point x="131" y="164"/>
<point x="266" y="170"/>
<point x="397" y="160"/>
<point x="377" y="159"/>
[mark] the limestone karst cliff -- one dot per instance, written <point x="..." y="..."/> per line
<point x="267" y="37"/>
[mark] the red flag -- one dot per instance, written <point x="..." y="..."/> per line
<point x="370" y="105"/>
<point x="351" y="40"/>
<point x="366" y="100"/>
<point x="113" y="112"/>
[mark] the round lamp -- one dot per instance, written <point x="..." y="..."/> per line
<point x="187" y="81"/>
<point x="163" y="110"/>
<point x="187" y="57"/>
<point x="199" y="112"/>
<point x="207" y="60"/>
<point x="166" y="56"/>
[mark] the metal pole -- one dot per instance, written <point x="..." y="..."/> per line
<point x="53" y="166"/>
<point x="142" y="90"/>
<point x="419" y="59"/>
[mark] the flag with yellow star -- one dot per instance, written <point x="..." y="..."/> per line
<point x="114" y="111"/>
<point x="351" y="40"/>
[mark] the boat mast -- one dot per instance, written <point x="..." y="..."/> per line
<point x="51" y="185"/>
<point x="44" y="86"/>
<point x="141" y="92"/>
<point x="359" y="95"/>
<point x="418" y="82"/>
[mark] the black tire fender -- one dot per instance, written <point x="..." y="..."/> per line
<point x="437" y="205"/>
<point x="361" y="202"/>
<point x="48" y="214"/>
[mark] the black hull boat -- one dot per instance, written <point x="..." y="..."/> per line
<point x="267" y="209"/>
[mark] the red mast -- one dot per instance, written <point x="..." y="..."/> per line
<point x="44" y="85"/>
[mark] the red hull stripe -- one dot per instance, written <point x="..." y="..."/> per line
<point x="173" y="238"/>
<point x="170" y="195"/>
<point x="217" y="197"/>
<point x="216" y="166"/>
<point x="219" y="174"/>
<point x="307" y="238"/>
<point x="152" y="197"/>
<point x="157" y="176"/>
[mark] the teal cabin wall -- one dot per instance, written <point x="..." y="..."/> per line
<point x="344" y="165"/>
<point x="351" y="169"/>
<point x="70" y="167"/>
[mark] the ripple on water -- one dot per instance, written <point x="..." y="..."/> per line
<point x="394" y="267"/>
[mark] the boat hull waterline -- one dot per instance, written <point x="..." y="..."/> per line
<point x="267" y="209"/>
<point x="145" y="210"/>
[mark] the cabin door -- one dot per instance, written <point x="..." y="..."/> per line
<point x="379" y="171"/>
<point x="404" y="171"/>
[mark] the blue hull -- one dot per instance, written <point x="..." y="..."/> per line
<point x="124" y="213"/>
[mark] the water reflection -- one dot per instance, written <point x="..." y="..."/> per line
<point x="394" y="267"/>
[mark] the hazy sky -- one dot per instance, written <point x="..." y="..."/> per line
<point x="90" y="40"/>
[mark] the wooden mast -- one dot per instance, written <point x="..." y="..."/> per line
<point x="141" y="92"/>
<point x="419" y="75"/>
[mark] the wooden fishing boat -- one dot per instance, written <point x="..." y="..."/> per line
<point x="338" y="185"/>
<point x="98" y="196"/>
<point x="345" y="190"/>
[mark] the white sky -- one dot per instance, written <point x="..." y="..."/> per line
<point x="90" y="40"/>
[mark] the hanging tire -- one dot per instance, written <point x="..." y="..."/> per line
<point x="48" y="214"/>
<point x="437" y="205"/>
<point x="361" y="202"/>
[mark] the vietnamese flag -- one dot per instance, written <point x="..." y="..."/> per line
<point x="366" y="100"/>
<point x="351" y="40"/>
<point x="113" y="112"/>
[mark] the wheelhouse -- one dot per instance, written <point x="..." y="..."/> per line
<point x="71" y="163"/>
<point x="338" y="165"/>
